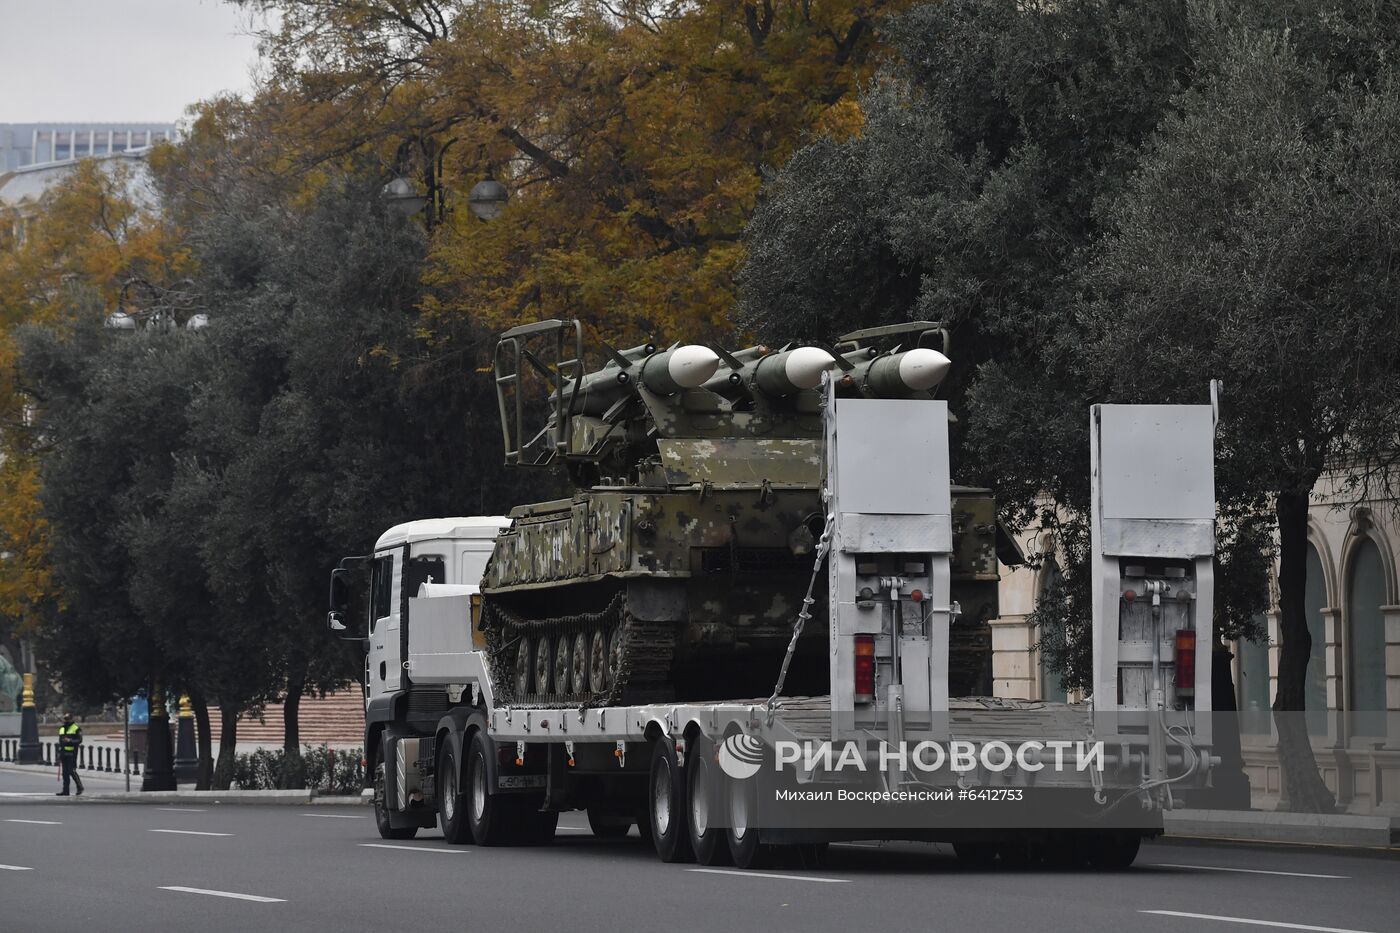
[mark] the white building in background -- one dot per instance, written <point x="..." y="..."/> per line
<point x="23" y="144"/>
<point x="1353" y="691"/>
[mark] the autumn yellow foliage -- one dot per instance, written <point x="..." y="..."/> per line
<point x="632" y="137"/>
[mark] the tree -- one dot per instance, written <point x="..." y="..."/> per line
<point x="979" y="192"/>
<point x="1258" y="241"/>
<point x="631" y="135"/>
<point x="88" y="242"/>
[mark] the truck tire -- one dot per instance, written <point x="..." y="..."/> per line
<point x="1113" y="851"/>
<point x="381" y="812"/>
<point x="501" y="819"/>
<point x="666" y="807"/>
<point x="745" y="846"/>
<point x="452" y="803"/>
<point x="608" y="824"/>
<point x="704" y="802"/>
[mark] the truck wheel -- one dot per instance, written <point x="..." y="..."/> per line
<point x="704" y="801"/>
<point x="500" y="819"/>
<point x="381" y="811"/>
<point x="742" y="834"/>
<point x="667" y="809"/>
<point x="487" y="813"/>
<point x="452" y="803"/>
<point x="1113" y="851"/>
<point x="608" y="824"/>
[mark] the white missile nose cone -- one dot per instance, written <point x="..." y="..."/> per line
<point x="692" y="365"/>
<point x="921" y="369"/>
<point x="804" y="366"/>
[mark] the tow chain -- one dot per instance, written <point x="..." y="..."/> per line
<point x="803" y="614"/>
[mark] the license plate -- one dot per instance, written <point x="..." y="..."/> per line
<point x="518" y="781"/>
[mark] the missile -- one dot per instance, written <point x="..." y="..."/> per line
<point x="685" y="367"/>
<point x="792" y="370"/>
<point x="900" y="374"/>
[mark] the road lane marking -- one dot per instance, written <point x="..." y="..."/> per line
<point x="768" y="874"/>
<point x="24" y="793"/>
<point x="233" y="894"/>
<point x="183" y="809"/>
<point x="335" y="816"/>
<point x="1258" y="923"/>
<point x="382" y="845"/>
<point x="38" y="822"/>
<point x="186" y="832"/>
<point x="571" y="829"/>
<point x="1247" y="871"/>
<point x="15" y="868"/>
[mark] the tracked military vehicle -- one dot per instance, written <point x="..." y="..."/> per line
<point x="690" y="536"/>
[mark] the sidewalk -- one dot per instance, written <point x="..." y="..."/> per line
<point x="1283" y="828"/>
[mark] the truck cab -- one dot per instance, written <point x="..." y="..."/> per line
<point x="427" y="557"/>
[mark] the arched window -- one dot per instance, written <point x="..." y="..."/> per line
<point x="1366" y="639"/>
<point x="1314" y="601"/>
<point x="1051" y="688"/>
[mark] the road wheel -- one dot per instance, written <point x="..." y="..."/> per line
<point x="524" y="662"/>
<point x="598" y="679"/>
<point x="704" y="802"/>
<point x="614" y="653"/>
<point x="976" y="854"/>
<point x="544" y="663"/>
<point x="742" y="833"/>
<point x="608" y="824"/>
<point x="1113" y="851"/>
<point x="562" y="667"/>
<point x="578" y="664"/>
<point x="452" y="803"/>
<point x="381" y="811"/>
<point x="667" y="810"/>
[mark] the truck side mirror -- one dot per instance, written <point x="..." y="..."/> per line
<point x="343" y="580"/>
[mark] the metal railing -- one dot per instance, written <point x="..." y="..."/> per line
<point x="90" y="757"/>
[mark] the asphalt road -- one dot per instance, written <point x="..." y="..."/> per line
<point x="74" y="866"/>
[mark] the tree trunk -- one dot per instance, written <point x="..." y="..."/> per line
<point x="205" y="771"/>
<point x="228" y="741"/>
<point x="293" y="770"/>
<point x="1302" y="784"/>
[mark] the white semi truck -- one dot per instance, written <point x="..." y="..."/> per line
<point x="885" y="753"/>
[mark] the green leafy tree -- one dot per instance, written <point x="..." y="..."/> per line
<point x="1259" y="241"/>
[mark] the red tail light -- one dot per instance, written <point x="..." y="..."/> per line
<point x="1185" y="660"/>
<point x="865" y="669"/>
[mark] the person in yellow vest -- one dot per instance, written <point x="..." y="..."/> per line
<point x="70" y="739"/>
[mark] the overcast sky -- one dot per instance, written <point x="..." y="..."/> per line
<point x="118" y="60"/>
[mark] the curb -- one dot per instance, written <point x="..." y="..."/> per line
<point x="265" y="797"/>
<point x="1279" y="827"/>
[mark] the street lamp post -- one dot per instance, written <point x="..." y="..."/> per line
<point x="186" y="758"/>
<point x="160" y="766"/>
<point x="30" y="752"/>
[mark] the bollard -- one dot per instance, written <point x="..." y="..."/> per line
<point x="135" y="763"/>
<point x="107" y="760"/>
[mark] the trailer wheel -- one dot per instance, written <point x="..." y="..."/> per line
<point x="452" y="803"/>
<point x="976" y="854"/>
<point x="608" y="824"/>
<point x="666" y="799"/>
<point x="742" y="833"/>
<point x="381" y="811"/>
<point x="1113" y="851"/>
<point x="705" y="802"/>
